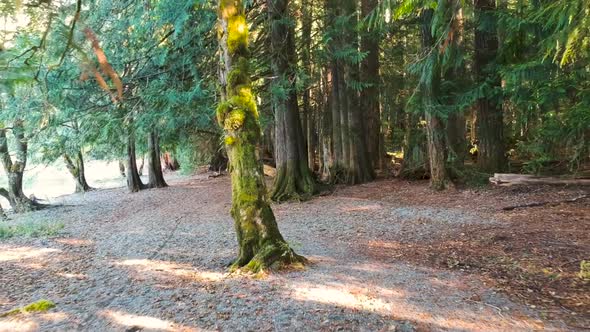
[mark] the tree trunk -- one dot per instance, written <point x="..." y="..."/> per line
<point x="156" y="177"/>
<point x="370" y="95"/>
<point x="261" y="245"/>
<point x="456" y="127"/>
<point x="358" y="168"/>
<point x="134" y="183"/>
<point x="306" y="28"/>
<point x="122" y="168"/>
<point x="326" y="160"/>
<point x="294" y="179"/>
<point x="435" y="131"/>
<point x="170" y="162"/>
<point x="415" y="164"/>
<point x="490" y="121"/>
<point x="15" y="170"/>
<point x="141" y="165"/>
<point x="77" y="170"/>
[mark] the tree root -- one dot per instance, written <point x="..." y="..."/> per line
<point x="272" y="257"/>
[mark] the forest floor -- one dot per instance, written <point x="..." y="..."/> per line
<point x="387" y="256"/>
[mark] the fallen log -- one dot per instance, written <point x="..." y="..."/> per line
<point x="513" y="179"/>
<point x="534" y="204"/>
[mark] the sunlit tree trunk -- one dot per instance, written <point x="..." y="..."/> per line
<point x="261" y="245"/>
<point x="490" y="121"/>
<point x="294" y="179"/>
<point x="15" y="169"/>
<point x="122" y="168"/>
<point x="156" y="177"/>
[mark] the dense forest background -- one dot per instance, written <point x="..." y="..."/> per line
<point x="448" y="90"/>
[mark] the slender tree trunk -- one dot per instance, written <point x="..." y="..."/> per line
<point x="325" y="130"/>
<point x="141" y="165"/>
<point x="415" y="164"/>
<point x="134" y="183"/>
<point x="122" y="168"/>
<point x="82" y="172"/>
<point x="156" y="177"/>
<point x="490" y="119"/>
<point x="306" y="27"/>
<point x="435" y="131"/>
<point x="456" y="127"/>
<point x="294" y="179"/>
<point x="76" y="169"/>
<point x="261" y="245"/>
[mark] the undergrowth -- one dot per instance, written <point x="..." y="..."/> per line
<point x="30" y="229"/>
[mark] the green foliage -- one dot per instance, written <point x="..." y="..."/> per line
<point x="30" y="229"/>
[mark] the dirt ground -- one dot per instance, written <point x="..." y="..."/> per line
<point x="387" y="256"/>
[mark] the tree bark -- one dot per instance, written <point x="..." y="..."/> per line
<point x="370" y="95"/>
<point x="294" y="179"/>
<point x="141" y="165"/>
<point x="435" y="131"/>
<point x="76" y="169"/>
<point x="134" y="183"/>
<point x="261" y="245"/>
<point x="122" y="168"/>
<point x="456" y="123"/>
<point x="490" y="119"/>
<point x="15" y="170"/>
<point x="156" y="177"/>
<point x="308" y="111"/>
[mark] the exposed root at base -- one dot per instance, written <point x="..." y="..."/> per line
<point x="273" y="257"/>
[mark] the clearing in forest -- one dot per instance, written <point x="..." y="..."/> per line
<point x="401" y="261"/>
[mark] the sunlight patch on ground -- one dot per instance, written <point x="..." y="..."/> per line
<point x="363" y="208"/>
<point x="18" y="253"/>
<point x="395" y="304"/>
<point x="75" y="242"/>
<point x="78" y="276"/>
<point x="54" y="317"/>
<point x="171" y="268"/>
<point x="18" y="325"/>
<point x="144" y="322"/>
<point x="346" y="296"/>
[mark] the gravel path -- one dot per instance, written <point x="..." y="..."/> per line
<point x="155" y="261"/>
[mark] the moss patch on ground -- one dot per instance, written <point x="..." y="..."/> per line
<point x="39" y="306"/>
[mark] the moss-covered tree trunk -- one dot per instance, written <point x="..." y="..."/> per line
<point x="19" y="202"/>
<point x="77" y="170"/>
<point x="261" y="245"/>
<point x="156" y="176"/>
<point x="294" y="179"/>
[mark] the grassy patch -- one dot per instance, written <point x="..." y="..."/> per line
<point x="30" y="229"/>
<point x="39" y="306"/>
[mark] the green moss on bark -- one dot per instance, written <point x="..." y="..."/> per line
<point x="261" y="246"/>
